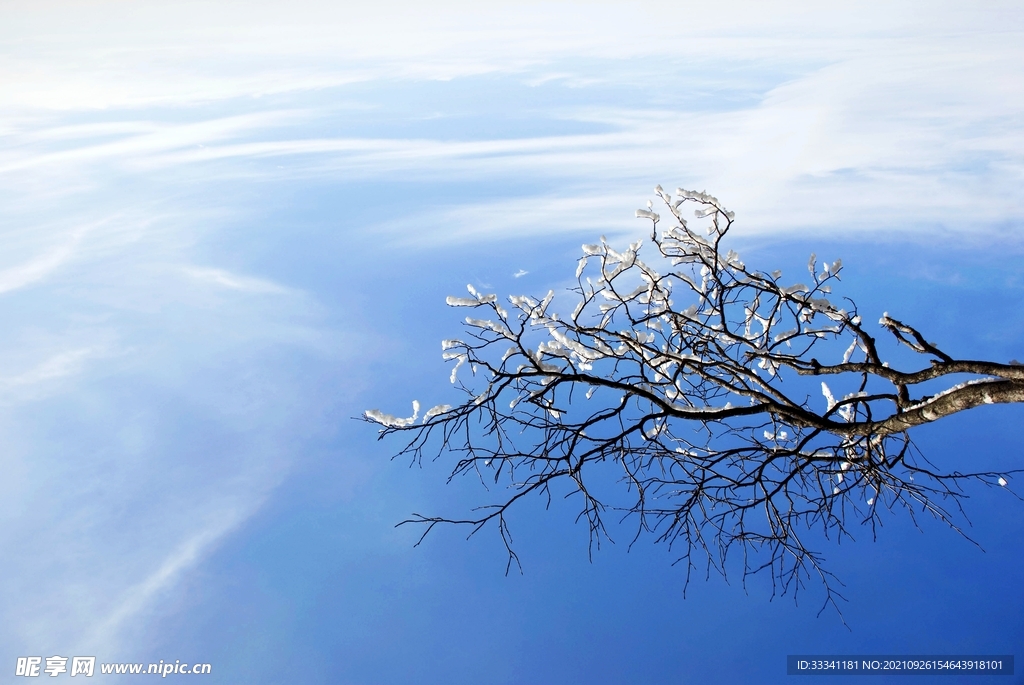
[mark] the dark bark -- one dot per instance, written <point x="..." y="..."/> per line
<point x="695" y="376"/>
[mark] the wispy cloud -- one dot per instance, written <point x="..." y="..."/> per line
<point x="918" y="132"/>
<point x="106" y="634"/>
<point x="514" y="219"/>
<point x="133" y="140"/>
<point x="57" y="366"/>
<point x="226" y="279"/>
<point x="38" y="268"/>
<point x="270" y="47"/>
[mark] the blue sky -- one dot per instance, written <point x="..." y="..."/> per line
<point x="229" y="228"/>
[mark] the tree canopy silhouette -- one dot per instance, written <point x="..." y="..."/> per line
<point x="743" y="414"/>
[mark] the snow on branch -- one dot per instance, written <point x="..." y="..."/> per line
<point x="689" y="371"/>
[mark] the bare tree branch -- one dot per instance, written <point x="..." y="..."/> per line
<point x="691" y="376"/>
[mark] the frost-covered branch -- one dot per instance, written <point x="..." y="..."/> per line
<point x="690" y="374"/>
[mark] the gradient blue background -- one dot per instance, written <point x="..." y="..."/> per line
<point x="228" y="229"/>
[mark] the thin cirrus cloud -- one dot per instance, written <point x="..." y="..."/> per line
<point x="915" y="112"/>
<point x="232" y="281"/>
<point x="105" y="633"/>
<point x="132" y="140"/>
<point x="788" y="161"/>
<point x="39" y="267"/>
<point x="62" y="364"/>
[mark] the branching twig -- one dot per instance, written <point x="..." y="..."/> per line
<point x="700" y="381"/>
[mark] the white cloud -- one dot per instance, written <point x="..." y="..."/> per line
<point x="35" y="270"/>
<point x="231" y="281"/>
<point x="876" y="110"/>
<point x="107" y="632"/>
<point x="56" y="366"/>
<point x="516" y="218"/>
<point x="134" y="140"/>
<point x="67" y="56"/>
